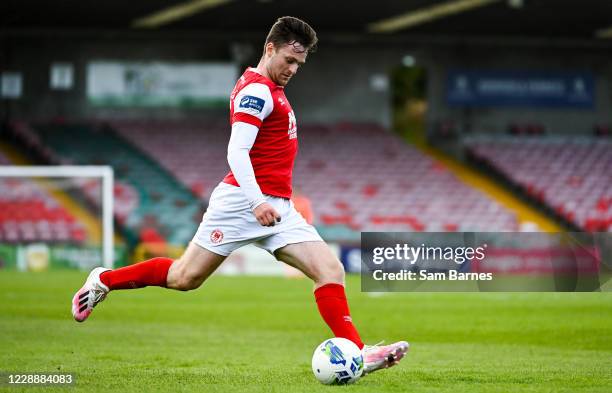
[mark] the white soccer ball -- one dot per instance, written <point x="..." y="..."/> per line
<point x="337" y="361"/>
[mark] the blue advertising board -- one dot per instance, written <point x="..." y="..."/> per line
<point x="520" y="88"/>
<point x="350" y="256"/>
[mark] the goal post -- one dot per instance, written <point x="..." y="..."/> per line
<point x="105" y="173"/>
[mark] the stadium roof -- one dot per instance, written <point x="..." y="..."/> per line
<point x="557" y="19"/>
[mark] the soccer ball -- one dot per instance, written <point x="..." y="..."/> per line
<point x="337" y="361"/>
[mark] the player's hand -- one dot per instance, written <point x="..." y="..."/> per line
<point x="266" y="215"/>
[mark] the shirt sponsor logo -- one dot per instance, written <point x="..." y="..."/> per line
<point x="250" y="102"/>
<point x="292" y="131"/>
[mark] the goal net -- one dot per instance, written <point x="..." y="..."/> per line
<point x="56" y="216"/>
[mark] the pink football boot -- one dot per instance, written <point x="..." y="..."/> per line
<point x="376" y="357"/>
<point x="90" y="294"/>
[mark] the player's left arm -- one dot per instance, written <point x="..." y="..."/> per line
<point x="242" y="140"/>
<point x="240" y="144"/>
<point x="251" y="106"/>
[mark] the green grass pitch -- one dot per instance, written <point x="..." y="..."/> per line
<point x="256" y="334"/>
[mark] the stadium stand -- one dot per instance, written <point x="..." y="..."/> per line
<point x="28" y="213"/>
<point x="196" y="155"/>
<point x="570" y="175"/>
<point x="357" y="176"/>
<point x="146" y="197"/>
<point x="125" y="195"/>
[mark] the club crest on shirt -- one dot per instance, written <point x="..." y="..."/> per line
<point x="256" y="104"/>
<point x="216" y="236"/>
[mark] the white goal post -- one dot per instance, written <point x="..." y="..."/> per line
<point x="64" y="171"/>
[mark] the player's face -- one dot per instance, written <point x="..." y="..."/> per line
<point x="284" y="62"/>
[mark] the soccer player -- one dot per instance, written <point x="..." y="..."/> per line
<point x="252" y="203"/>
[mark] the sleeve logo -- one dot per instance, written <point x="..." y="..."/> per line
<point x="254" y="103"/>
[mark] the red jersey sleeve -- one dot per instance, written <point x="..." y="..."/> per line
<point x="253" y="104"/>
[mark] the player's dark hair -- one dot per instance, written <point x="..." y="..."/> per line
<point x="290" y="30"/>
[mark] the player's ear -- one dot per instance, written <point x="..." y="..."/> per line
<point x="270" y="49"/>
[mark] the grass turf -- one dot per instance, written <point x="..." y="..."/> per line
<point x="256" y="334"/>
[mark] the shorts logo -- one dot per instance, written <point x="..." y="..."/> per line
<point x="216" y="236"/>
<point x="254" y="103"/>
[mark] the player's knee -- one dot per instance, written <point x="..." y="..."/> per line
<point x="338" y="271"/>
<point x="187" y="283"/>
<point x="331" y="272"/>
<point x="182" y="280"/>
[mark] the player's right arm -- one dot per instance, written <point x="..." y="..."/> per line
<point x="251" y="106"/>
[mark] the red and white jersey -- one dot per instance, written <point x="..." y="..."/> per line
<point x="258" y="101"/>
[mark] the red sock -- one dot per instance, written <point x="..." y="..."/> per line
<point x="333" y="307"/>
<point x="152" y="272"/>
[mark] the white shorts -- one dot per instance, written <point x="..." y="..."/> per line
<point x="229" y="223"/>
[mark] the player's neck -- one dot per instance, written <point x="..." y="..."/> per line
<point x="261" y="69"/>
